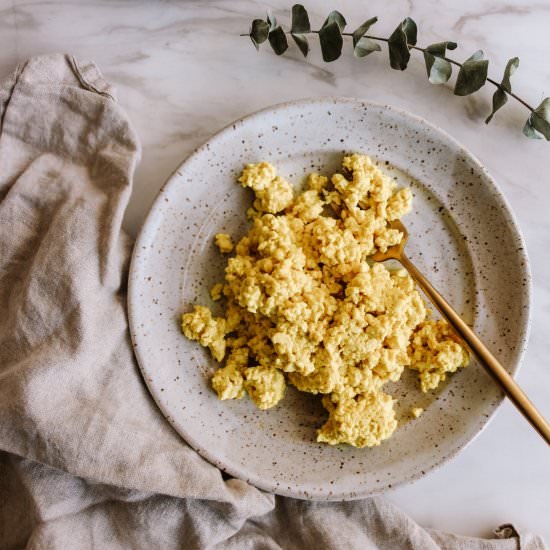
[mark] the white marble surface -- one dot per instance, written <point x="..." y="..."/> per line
<point x="182" y="72"/>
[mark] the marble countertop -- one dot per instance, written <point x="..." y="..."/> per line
<point x="182" y="72"/>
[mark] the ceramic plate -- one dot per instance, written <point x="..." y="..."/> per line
<point x="463" y="236"/>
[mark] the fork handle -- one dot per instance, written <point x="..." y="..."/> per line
<point x="485" y="357"/>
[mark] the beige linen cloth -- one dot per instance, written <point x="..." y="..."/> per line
<point x="86" y="458"/>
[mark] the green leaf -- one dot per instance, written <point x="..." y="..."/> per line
<point x="472" y="75"/>
<point x="300" y="24"/>
<point x="335" y="16"/>
<point x="330" y="37"/>
<point x="410" y="30"/>
<point x="366" y="46"/>
<point x="331" y="40"/>
<point x="439" y="49"/>
<point x="499" y="100"/>
<point x="539" y="121"/>
<point x="360" y="31"/>
<point x="362" y="45"/>
<point x="258" y="32"/>
<point x="500" y="97"/>
<point x="271" y="21"/>
<point x="510" y="69"/>
<point x="529" y="131"/>
<point x="398" y="44"/>
<point x="278" y="41"/>
<point x="438" y="68"/>
<point x="302" y="43"/>
<point x="300" y="20"/>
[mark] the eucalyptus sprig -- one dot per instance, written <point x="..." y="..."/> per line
<point x="472" y="73"/>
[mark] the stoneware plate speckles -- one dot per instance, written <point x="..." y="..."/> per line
<point x="463" y="236"/>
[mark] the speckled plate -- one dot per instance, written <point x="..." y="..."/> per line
<point x="463" y="236"/>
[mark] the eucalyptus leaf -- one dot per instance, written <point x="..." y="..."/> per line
<point x="300" y="25"/>
<point x="300" y="20"/>
<point x="500" y="97"/>
<point x="539" y="121"/>
<point x="278" y="41"/>
<point x="366" y="46"/>
<point x="529" y="131"/>
<point x="472" y="75"/>
<point x="271" y="21"/>
<point x="510" y="69"/>
<point x="499" y="100"/>
<point x="335" y="16"/>
<point x="258" y="32"/>
<point x="302" y="43"/>
<point x="362" y="45"/>
<point x="438" y="68"/>
<point x="398" y="44"/>
<point x="330" y="37"/>
<point x="476" y="56"/>
<point x="439" y="49"/>
<point x="410" y="29"/>
<point x="360" y="31"/>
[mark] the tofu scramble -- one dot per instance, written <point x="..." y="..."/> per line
<point x="304" y="307"/>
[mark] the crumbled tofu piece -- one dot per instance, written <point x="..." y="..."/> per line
<point x="208" y="331"/>
<point x="228" y="381"/>
<point x="387" y="238"/>
<point x="216" y="291"/>
<point x="435" y="351"/>
<point x="417" y="411"/>
<point x="273" y="193"/>
<point x="265" y="385"/>
<point x="399" y="204"/>
<point x="223" y="242"/>
<point x="364" y="421"/>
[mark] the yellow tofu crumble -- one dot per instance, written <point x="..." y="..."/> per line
<point x="224" y="243"/>
<point x="435" y="351"/>
<point x="216" y="292"/>
<point x="304" y="306"/>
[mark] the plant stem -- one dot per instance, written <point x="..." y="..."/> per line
<point x="452" y="61"/>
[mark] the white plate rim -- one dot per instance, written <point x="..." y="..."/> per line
<point x="173" y="180"/>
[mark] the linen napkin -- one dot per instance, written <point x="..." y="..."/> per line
<point x="86" y="458"/>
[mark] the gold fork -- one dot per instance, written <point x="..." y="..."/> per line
<point x="485" y="357"/>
